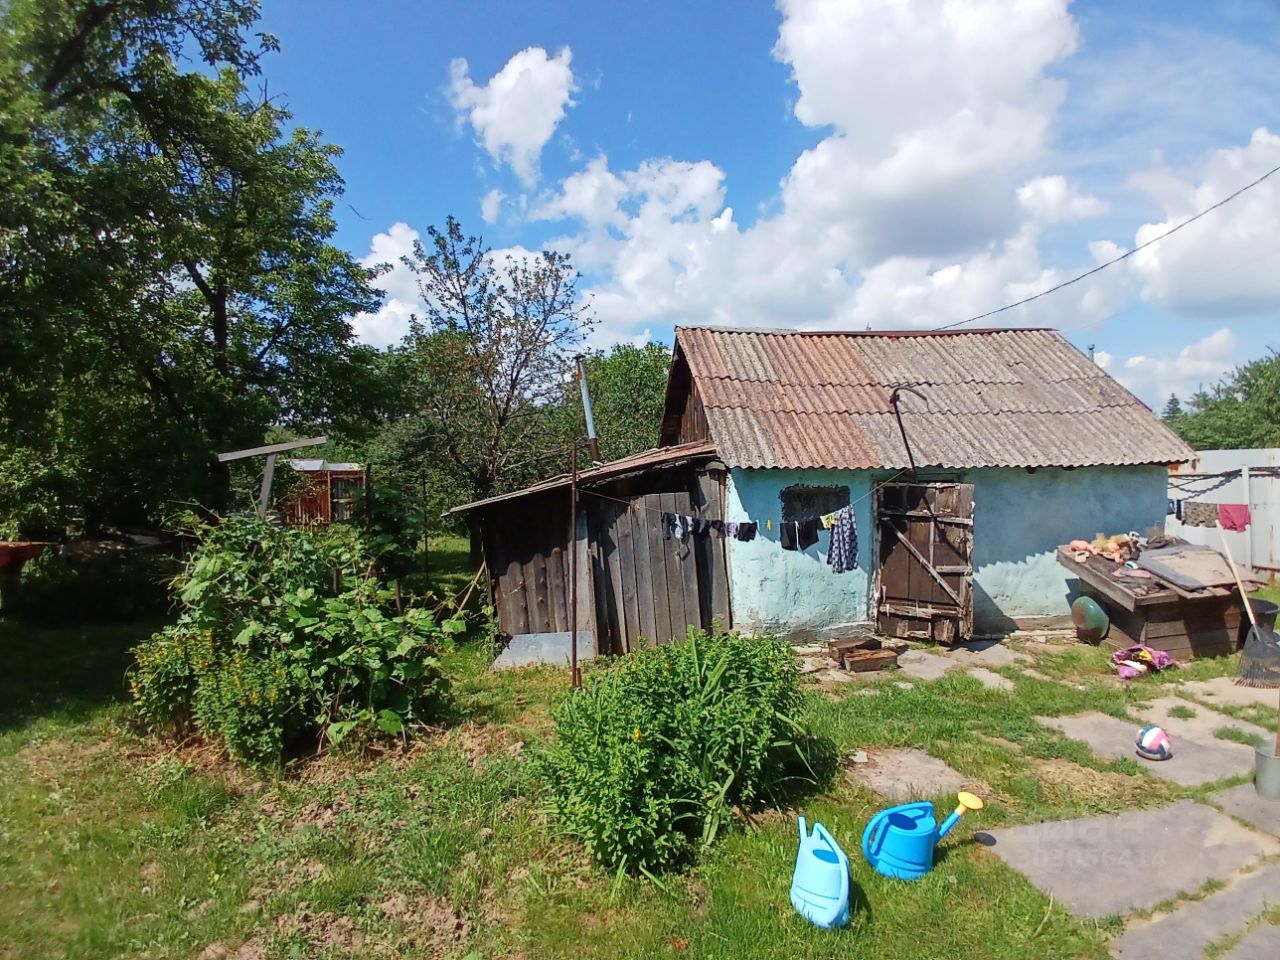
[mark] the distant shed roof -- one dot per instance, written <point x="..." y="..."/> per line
<point x="322" y="466"/>
<point x="993" y="398"/>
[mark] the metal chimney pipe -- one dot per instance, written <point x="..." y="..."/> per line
<point x="592" y="440"/>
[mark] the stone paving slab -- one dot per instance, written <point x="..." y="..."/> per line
<point x="1260" y="943"/>
<point x="990" y="679"/>
<point x="985" y="653"/>
<point x="1184" y="934"/>
<point x="1243" y="802"/>
<point x="1225" y="691"/>
<point x="910" y="774"/>
<point x="1114" y="865"/>
<point x="924" y="666"/>
<point x="1202" y="727"/>
<point x="1193" y="763"/>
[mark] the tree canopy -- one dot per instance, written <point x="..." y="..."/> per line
<point x="166" y="270"/>
<point x="1240" y="413"/>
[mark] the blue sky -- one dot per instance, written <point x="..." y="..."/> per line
<point x="823" y="163"/>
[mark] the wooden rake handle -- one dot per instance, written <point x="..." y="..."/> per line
<point x="1222" y="535"/>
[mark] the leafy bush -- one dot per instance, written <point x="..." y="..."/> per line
<point x="651" y="757"/>
<point x="285" y="637"/>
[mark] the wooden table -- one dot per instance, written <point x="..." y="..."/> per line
<point x="1205" y="623"/>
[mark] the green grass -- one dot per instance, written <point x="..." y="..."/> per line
<point x="1182" y="713"/>
<point x="1236" y="735"/>
<point x="116" y="846"/>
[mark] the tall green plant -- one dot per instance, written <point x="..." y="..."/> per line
<point x="651" y="757"/>
<point x="286" y="639"/>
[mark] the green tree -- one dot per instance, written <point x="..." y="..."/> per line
<point x="165" y="264"/>
<point x="1240" y="413"/>
<point x="1172" y="408"/>
<point x="628" y="391"/>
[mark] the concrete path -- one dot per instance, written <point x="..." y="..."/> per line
<point x="1185" y="933"/>
<point x="990" y="679"/>
<point x="924" y="666"/>
<point x="1202" y="726"/>
<point x="1243" y="802"/>
<point x="1224" y="690"/>
<point x="909" y="774"/>
<point x="1193" y="763"/>
<point x="985" y="653"/>
<point x="1260" y="943"/>
<point x="1114" y="865"/>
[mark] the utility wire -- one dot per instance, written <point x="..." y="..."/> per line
<point x="1124" y="256"/>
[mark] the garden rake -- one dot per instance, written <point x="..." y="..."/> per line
<point x="1260" y="658"/>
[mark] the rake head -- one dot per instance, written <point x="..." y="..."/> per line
<point x="1260" y="660"/>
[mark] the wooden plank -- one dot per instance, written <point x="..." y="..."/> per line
<point x="642" y="519"/>
<point x="684" y="589"/>
<point x="713" y="589"/>
<point x="838" y="648"/>
<point x="557" y="588"/>
<point x="535" y="574"/>
<point x="864" y="661"/>
<point x="955" y="521"/>
<point x="629" y="617"/>
<point x="927" y="566"/>
<point x="586" y="593"/>
<point x="659" y="548"/>
<point x="271" y="448"/>
<point x="612" y="556"/>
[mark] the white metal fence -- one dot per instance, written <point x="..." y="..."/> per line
<point x="1234" y="476"/>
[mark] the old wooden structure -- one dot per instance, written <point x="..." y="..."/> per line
<point x="925" y="540"/>
<point x="635" y="587"/>
<point x="1185" y="624"/>
<point x="327" y="492"/>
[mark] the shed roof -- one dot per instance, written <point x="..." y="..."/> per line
<point x="993" y="398"/>
<point x="598" y="473"/>
<point x="322" y="466"/>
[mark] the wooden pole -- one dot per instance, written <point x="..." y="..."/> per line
<point x="573" y="568"/>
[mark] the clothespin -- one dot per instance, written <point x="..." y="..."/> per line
<point x="768" y="524"/>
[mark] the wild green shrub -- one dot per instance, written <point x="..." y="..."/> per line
<point x="651" y="756"/>
<point x="285" y="638"/>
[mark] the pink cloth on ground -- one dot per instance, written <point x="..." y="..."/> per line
<point x="1234" y="516"/>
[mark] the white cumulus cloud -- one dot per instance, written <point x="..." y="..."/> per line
<point x="516" y="112"/>
<point x="1154" y="378"/>
<point x="390" y="323"/>
<point x="1225" y="264"/>
<point x="1053" y="200"/>
<point x="491" y="205"/>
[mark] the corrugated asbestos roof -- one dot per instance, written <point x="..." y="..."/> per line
<point x="993" y="398"/>
<point x="637" y="462"/>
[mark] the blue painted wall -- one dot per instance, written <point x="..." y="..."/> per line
<point x="792" y="591"/>
<point x="1020" y="518"/>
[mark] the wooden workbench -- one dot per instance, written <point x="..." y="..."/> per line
<point x="1184" y="624"/>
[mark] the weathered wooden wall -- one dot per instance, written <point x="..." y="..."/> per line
<point x="635" y="588"/>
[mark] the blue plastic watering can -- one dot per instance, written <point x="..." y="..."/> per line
<point x="899" y="841"/>
<point x="820" y="886"/>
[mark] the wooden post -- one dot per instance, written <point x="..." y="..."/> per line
<point x="573" y="568"/>
<point x="264" y="495"/>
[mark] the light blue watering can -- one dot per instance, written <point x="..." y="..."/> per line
<point x="899" y="841"/>
<point x="820" y="886"/>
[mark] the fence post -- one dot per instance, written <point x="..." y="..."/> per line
<point x="1248" y="531"/>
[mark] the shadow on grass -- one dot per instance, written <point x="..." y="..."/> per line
<point x="67" y="672"/>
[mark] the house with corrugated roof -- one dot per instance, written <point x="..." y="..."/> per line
<point x="960" y="460"/>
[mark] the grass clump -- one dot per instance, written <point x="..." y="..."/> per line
<point x="651" y="757"/>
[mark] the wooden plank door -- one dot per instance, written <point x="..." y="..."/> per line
<point x="925" y="560"/>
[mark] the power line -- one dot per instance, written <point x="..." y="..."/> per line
<point x="1124" y="256"/>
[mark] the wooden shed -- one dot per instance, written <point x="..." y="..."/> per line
<point x="635" y="587"/>
<point x="327" y="493"/>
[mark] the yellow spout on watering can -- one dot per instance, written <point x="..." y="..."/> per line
<point x="899" y="841"/>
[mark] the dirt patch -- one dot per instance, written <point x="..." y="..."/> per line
<point x="1065" y="782"/>
<point x="56" y="763"/>
<point x="326" y="932"/>
<point x="479" y="742"/>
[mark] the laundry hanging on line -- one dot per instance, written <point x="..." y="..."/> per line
<point x="842" y="555"/>
<point x="1234" y="516"/>
<point x="678" y="526"/>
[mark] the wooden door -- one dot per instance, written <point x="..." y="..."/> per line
<point x="925" y="554"/>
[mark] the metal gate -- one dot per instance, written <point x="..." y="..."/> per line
<point x="925" y="554"/>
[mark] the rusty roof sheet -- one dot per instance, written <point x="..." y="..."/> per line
<point x="992" y="398"/>
<point x="601" y="472"/>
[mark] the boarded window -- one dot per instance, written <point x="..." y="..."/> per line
<point x="803" y="501"/>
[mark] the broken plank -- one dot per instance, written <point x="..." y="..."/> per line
<point x="863" y="661"/>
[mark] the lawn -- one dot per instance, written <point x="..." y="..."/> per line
<point x="118" y="846"/>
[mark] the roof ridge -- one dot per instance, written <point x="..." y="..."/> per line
<point x="884" y="332"/>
